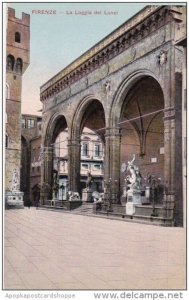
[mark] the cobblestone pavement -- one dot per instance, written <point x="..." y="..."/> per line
<point x="56" y="250"/>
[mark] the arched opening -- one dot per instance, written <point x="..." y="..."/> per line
<point x="19" y="64"/>
<point x="59" y="143"/>
<point x="142" y="133"/>
<point x="6" y="141"/>
<point x="92" y="141"/>
<point x="17" y="37"/>
<point x="10" y="62"/>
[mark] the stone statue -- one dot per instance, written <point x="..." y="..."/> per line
<point x="73" y="196"/>
<point x="133" y="188"/>
<point x="89" y="181"/>
<point x="15" y="181"/>
<point x="107" y="85"/>
<point x="133" y="181"/>
<point x="55" y="187"/>
<point x="98" y="197"/>
<point x="162" y="58"/>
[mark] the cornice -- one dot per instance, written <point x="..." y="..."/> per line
<point x="134" y="30"/>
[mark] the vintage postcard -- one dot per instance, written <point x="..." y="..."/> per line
<point x="94" y="126"/>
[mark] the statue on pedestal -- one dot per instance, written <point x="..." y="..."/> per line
<point x="133" y="181"/>
<point x="87" y="191"/>
<point x="15" y="181"/>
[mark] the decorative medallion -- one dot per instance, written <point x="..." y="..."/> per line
<point x="162" y="57"/>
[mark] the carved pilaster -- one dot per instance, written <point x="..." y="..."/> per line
<point x="73" y="164"/>
<point x="112" y="161"/>
<point x="46" y="173"/>
<point x="169" y="167"/>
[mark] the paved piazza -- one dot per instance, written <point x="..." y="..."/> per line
<point x="60" y="250"/>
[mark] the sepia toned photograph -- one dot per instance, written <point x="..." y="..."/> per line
<point x="95" y="149"/>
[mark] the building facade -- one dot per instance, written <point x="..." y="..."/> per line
<point x="128" y="88"/>
<point x="30" y="155"/>
<point x="18" y="58"/>
<point x="91" y="161"/>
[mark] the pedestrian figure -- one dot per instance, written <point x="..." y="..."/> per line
<point x="36" y="195"/>
<point x="89" y="180"/>
<point x="29" y="203"/>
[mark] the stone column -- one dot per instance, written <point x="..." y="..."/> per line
<point x="46" y="174"/>
<point x="73" y="165"/>
<point x="173" y="199"/>
<point x="112" y="162"/>
<point x="169" y="162"/>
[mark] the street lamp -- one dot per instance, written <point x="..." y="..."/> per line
<point x="153" y="183"/>
<point x="108" y="191"/>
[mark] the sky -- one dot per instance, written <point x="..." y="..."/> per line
<point x="58" y="39"/>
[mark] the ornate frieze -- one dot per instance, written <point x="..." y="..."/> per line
<point x="130" y="33"/>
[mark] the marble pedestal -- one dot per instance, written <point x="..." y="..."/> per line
<point x="137" y="197"/>
<point x="133" y="198"/>
<point x="87" y="195"/>
<point x="146" y="198"/>
<point x="14" y="199"/>
<point x="130" y="208"/>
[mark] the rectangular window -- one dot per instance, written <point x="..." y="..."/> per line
<point x="97" y="150"/>
<point x="85" y="149"/>
<point x="97" y="167"/>
<point x="85" y="166"/>
<point x="23" y="123"/>
<point x="31" y="123"/>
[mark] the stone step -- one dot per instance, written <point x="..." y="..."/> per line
<point x="160" y="221"/>
<point x="85" y="208"/>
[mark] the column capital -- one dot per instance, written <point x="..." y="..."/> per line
<point x="112" y="131"/>
<point x="169" y="114"/>
<point x="73" y="142"/>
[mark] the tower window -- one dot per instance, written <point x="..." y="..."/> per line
<point x="19" y="65"/>
<point x="17" y="37"/>
<point x="10" y="62"/>
<point x="6" y="141"/>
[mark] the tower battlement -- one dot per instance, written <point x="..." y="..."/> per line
<point x="25" y="17"/>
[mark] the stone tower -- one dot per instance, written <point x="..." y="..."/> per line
<point x="17" y="61"/>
